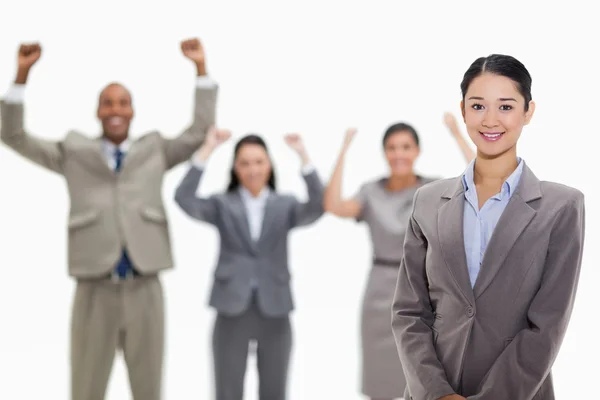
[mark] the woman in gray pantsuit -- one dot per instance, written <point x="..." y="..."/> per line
<point x="385" y="205"/>
<point x="251" y="291"/>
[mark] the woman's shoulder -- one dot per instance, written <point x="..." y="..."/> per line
<point x="431" y="185"/>
<point x="560" y="193"/>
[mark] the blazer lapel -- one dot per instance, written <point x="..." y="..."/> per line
<point x="513" y="221"/>
<point x="451" y="237"/>
<point x="269" y="217"/>
<point x="241" y="219"/>
<point x="91" y="152"/>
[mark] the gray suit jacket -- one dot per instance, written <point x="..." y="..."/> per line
<point x="243" y="260"/>
<point x="110" y="211"/>
<point x="498" y="340"/>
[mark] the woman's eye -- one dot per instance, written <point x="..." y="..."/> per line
<point x="477" y="107"/>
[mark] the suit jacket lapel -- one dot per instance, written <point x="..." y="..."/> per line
<point x="451" y="237"/>
<point x="513" y="221"/>
<point x="91" y="154"/>
<point x="241" y="218"/>
<point x="269" y="218"/>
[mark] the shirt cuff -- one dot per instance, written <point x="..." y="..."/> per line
<point x="308" y="169"/>
<point x="15" y="94"/>
<point x="205" y="82"/>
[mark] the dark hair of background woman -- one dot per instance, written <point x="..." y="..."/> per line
<point x="502" y="65"/>
<point x="234" y="182"/>
<point x="400" y="127"/>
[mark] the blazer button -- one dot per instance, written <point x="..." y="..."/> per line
<point x="470" y="312"/>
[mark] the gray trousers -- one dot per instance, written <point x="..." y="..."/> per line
<point x="231" y="339"/>
<point x="110" y="316"/>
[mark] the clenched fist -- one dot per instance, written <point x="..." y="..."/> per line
<point x="192" y="49"/>
<point x="450" y="120"/>
<point x="294" y="140"/>
<point x="216" y="137"/>
<point x="29" y="53"/>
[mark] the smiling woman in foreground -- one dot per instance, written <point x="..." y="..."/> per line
<point x="491" y="259"/>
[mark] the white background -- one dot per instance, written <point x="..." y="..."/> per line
<point x="313" y="67"/>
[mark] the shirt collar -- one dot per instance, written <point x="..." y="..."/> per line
<point x="110" y="147"/>
<point x="246" y="195"/>
<point x="509" y="185"/>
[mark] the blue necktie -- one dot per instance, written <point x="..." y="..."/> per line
<point x="124" y="266"/>
<point x="118" y="159"/>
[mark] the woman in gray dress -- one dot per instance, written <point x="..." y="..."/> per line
<point x="385" y="205"/>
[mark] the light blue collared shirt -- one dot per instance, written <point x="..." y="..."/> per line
<point x="478" y="225"/>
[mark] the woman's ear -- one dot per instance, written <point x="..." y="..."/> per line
<point x="529" y="112"/>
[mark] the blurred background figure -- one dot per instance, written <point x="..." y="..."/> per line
<point x="118" y="236"/>
<point x="385" y="205"/>
<point x="251" y="291"/>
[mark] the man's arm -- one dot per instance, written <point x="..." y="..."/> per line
<point x="181" y="148"/>
<point x="412" y="318"/>
<point x="46" y="153"/>
<point x="526" y="362"/>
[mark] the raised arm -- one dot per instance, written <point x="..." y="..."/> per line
<point x="200" y="208"/>
<point x="305" y="213"/>
<point x="452" y="126"/>
<point x="521" y="369"/>
<point x="181" y="148"/>
<point x="46" y="153"/>
<point x="412" y="319"/>
<point x="332" y="200"/>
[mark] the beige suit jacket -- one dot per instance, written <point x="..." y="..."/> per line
<point x="111" y="211"/>
<point x="499" y="339"/>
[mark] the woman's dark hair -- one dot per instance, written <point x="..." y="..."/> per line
<point x="234" y="181"/>
<point x="400" y="127"/>
<point x="502" y="65"/>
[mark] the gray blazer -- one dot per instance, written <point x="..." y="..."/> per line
<point x="243" y="260"/>
<point x="498" y="340"/>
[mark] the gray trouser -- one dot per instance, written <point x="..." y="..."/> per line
<point x="231" y="338"/>
<point x="110" y="316"/>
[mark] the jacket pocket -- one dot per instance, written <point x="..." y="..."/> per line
<point x="154" y="215"/>
<point x="77" y="221"/>
<point x="223" y="273"/>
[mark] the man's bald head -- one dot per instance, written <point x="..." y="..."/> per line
<point x="115" y="112"/>
<point x="114" y="86"/>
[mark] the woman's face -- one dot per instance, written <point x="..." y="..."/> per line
<point x="494" y="114"/>
<point x="252" y="167"/>
<point x="401" y="152"/>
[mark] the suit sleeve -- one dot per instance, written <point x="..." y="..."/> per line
<point x="526" y="362"/>
<point x="181" y="148"/>
<point x="412" y="319"/>
<point x="200" y="208"/>
<point x="46" y="153"/>
<point x="305" y="213"/>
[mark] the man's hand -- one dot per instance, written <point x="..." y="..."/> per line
<point x="28" y="55"/>
<point x="192" y="49"/>
<point x="453" y="397"/>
